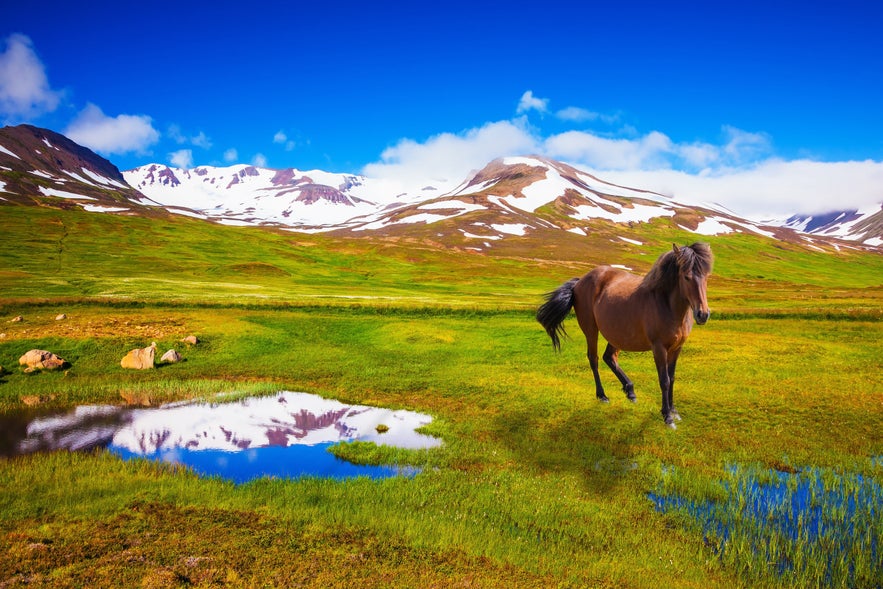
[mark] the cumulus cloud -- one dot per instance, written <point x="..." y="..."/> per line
<point x="199" y="140"/>
<point x="530" y="102"/>
<point x="770" y="189"/>
<point x="183" y="158"/>
<point x="259" y="160"/>
<point x="576" y="114"/>
<point x="24" y="87"/>
<point x="450" y="156"/>
<point x="650" y="151"/>
<point x="740" y="171"/>
<point x="231" y="155"/>
<point x="282" y="138"/>
<point x="112" y="135"/>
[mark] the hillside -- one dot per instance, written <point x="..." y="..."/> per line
<point x="41" y="167"/>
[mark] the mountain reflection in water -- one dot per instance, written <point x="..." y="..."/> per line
<point x="285" y="435"/>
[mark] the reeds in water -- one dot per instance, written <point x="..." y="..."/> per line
<point x="815" y="527"/>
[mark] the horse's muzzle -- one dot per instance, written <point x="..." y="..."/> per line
<point x="701" y="316"/>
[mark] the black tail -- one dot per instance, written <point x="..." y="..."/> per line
<point x="554" y="311"/>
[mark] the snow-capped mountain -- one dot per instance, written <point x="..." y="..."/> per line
<point x="519" y="195"/>
<point x="864" y="225"/>
<point x="509" y="196"/>
<point x="249" y="195"/>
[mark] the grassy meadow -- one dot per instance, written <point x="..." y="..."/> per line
<point x="537" y="484"/>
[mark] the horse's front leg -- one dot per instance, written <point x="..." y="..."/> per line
<point x="660" y="355"/>
<point x="672" y="364"/>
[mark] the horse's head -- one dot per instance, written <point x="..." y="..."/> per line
<point x="694" y="266"/>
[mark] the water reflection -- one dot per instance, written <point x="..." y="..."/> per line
<point x="286" y="435"/>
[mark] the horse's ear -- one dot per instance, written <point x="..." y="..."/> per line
<point x="675" y="248"/>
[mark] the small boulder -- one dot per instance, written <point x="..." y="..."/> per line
<point x="140" y="358"/>
<point x="191" y="339"/>
<point x="171" y="357"/>
<point x="41" y="360"/>
<point x="60" y="317"/>
<point x="17" y="319"/>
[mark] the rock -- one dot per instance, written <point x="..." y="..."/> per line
<point x="140" y="358"/>
<point x="171" y="357"/>
<point x="18" y="319"/>
<point x="41" y="360"/>
<point x="191" y="339"/>
<point x="60" y="317"/>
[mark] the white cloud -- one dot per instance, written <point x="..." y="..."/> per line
<point x="740" y="171"/>
<point x="743" y="146"/>
<point x="530" y="102"/>
<point x="770" y="189"/>
<point x="281" y="137"/>
<point x="120" y="134"/>
<point x="449" y="156"/>
<point x="200" y="140"/>
<point x="576" y="114"/>
<point x="231" y="155"/>
<point x="183" y="158"/>
<point x="24" y="87"/>
<point x="259" y="160"/>
<point x="653" y="150"/>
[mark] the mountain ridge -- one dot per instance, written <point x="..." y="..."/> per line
<point x="510" y="196"/>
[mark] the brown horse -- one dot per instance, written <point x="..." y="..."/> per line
<point x="636" y="314"/>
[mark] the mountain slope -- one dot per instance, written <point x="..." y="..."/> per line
<point x="39" y="166"/>
<point x="864" y="226"/>
<point x="249" y="195"/>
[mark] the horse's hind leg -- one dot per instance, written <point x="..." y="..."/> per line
<point x="592" y="354"/>
<point x="587" y="324"/>
<point x="611" y="356"/>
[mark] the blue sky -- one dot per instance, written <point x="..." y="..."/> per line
<point x="767" y="107"/>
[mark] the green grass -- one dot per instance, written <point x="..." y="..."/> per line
<point x="537" y="484"/>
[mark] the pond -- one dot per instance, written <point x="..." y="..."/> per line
<point x="286" y="435"/>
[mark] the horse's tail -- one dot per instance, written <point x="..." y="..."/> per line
<point x="554" y="311"/>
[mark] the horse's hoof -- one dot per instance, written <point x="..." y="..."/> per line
<point x="671" y="425"/>
<point x="676" y="415"/>
<point x="632" y="398"/>
<point x="604" y="399"/>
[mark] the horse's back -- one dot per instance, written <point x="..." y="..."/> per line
<point x="607" y="298"/>
<point x="606" y="281"/>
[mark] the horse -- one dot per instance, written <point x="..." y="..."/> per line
<point x="636" y="314"/>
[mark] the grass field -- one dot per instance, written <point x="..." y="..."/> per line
<point x="537" y="484"/>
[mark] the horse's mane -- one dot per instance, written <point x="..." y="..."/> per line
<point x="696" y="258"/>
